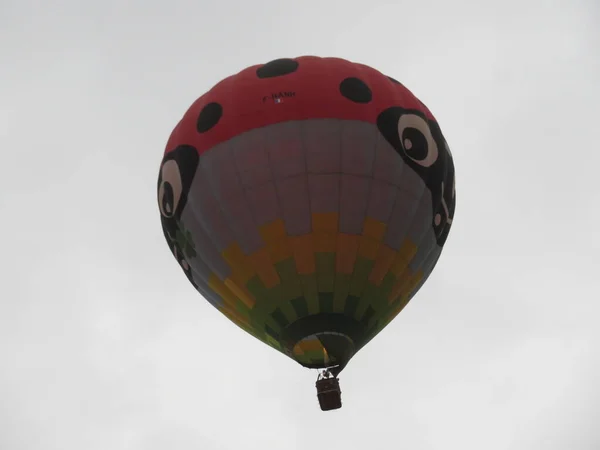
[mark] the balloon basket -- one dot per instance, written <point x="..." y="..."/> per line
<point x="328" y="392"/>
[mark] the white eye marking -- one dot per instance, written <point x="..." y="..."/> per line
<point x="170" y="189"/>
<point x="417" y="142"/>
<point x="446" y="210"/>
<point x="453" y="179"/>
<point x="453" y="187"/>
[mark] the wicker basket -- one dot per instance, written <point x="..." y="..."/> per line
<point x="329" y="393"/>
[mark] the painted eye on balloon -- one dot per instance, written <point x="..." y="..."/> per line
<point x="416" y="140"/>
<point x="170" y="189"/>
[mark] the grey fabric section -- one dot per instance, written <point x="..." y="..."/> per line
<point x="205" y="245"/>
<point x="388" y="165"/>
<point x="263" y="203"/>
<point x="381" y="200"/>
<point x="285" y="149"/>
<point x="293" y="198"/>
<point x="358" y="148"/>
<point x="428" y="266"/>
<point x="421" y="219"/>
<point x="242" y="223"/>
<point x="324" y="191"/>
<point x="400" y="221"/>
<point x="251" y="158"/>
<point x="426" y="246"/>
<point x="219" y="168"/>
<point x="353" y="203"/>
<point x="322" y="143"/>
<point x="209" y="213"/>
<point x="411" y="182"/>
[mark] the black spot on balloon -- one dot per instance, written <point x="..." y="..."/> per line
<point x="356" y="90"/>
<point x="277" y="68"/>
<point x="209" y="117"/>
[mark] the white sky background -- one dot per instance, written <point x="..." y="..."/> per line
<point x="105" y="345"/>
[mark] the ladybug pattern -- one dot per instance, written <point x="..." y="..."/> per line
<point x="308" y="199"/>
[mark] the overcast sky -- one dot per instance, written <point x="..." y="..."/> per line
<point x="105" y="345"/>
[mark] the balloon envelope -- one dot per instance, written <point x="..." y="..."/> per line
<point x="308" y="200"/>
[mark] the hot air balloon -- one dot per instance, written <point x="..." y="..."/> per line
<point x="308" y="199"/>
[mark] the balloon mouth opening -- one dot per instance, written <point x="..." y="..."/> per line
<point x="323" y="340"/>
<point x="324" y="349"/>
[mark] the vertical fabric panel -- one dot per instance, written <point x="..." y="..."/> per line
<point x="219" y="168"/>
<point x="285" y="150"/>
<point x="358" y="145"/>
<point x="353" y="203"/>
<point x="387" y="165"/>
<point x="251" y="158"/>
<point x="382" y="197"/>
<point x="263" y="203"/>
<point x="400" y="222"/>
<point x="323" y="146"/>
<point x="324" y="192"/>
<point x="293" y="197"/>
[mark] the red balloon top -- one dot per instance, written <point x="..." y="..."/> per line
<point x="306" y="87"/>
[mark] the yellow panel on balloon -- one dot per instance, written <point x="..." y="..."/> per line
<point x="278" y="245"/>
<point x="261" y="261"/>
<point x="229" y="297"/>
<point x="304" y="254"/>
<point x="407" y="251"/>
<point x="346" y="251"/>
<point x="242" y="268"/>
<point x="383" y="262"/>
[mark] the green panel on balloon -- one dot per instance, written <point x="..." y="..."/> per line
<point x="300" y="305"/>
<point x="326" y="302"/>
<point x="362" y="269"/>
<point x="325" y="265"/>
<point x="341" y="292"/>
<point x="311" y="292"/>
<point x="261" y="313"/>
<point x="351" y="305"/>
<point x="377" y="296"/>
<point x="289" y="287"/>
